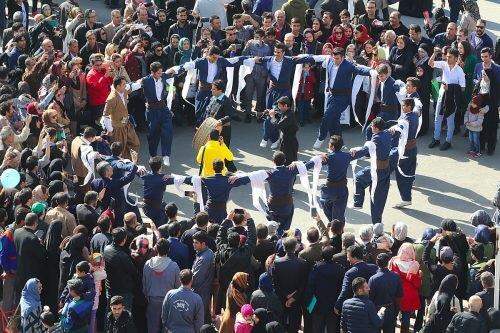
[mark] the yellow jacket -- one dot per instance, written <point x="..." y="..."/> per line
<point x="214" y="150"/>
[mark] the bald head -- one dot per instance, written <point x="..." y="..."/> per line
<point x="130" y="219"/>
<point x="475" y="303"/>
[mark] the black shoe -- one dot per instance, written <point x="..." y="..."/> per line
<point x="248" y="118"/>
<point x="434" y="143"/>
<point x="302" y="124"/>
<point x="466" y="133"/>
<point x="490" y="152"/>
<point x="456" y="131"/>
<point x="445" y="146"/>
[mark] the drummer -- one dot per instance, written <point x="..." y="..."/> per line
<point x="220" y="107"/>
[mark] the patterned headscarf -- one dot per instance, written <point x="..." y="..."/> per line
<point x="472" y="7"/>
<point x="405" y="260"/>
<point x="239" y="285"/>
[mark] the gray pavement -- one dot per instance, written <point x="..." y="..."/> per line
<point x="448" y="184"/>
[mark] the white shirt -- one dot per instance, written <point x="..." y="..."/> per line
<point x="212" y="71"/>
<point x="276" y="68"/>
<point x="382" y="90"/>
<point x="453" y="75"/>
<point x="122" y="96"/>
<point x="332" y="74"/>
<point x="158" y="88"/>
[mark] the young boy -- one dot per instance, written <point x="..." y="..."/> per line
<point x="75" y="315"/>
<point x="83" y="274"/>
<point x="287" y="124"/>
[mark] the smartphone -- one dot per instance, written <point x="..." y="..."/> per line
<point x="205" y="19"/>
<point x="147" y="224"/>
<point x="188" y="193"/>
<point x="239" y="211"/>
<point x="314" y="212"/>
<point x="311" y="11"/>
<point x="148" y="4"/>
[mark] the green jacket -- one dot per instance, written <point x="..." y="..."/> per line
<point x="425" y="288"/>
<point x="296" y="8"/>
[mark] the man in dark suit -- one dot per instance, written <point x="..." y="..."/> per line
<point x="359" y="268"/>
<point x="179" y="252"/>
<point x="325" y="283"/>
<point x="86" y="213"/>
<point x="290" y="290"/>
<point x="201" y="221"/>
<point x="31" y="254"/>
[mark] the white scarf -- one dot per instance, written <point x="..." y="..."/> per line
<point x="171" y="89"/>
<point x="257" y="179"/>
<point x="126" y="187"/>
<point x="245" y="70"/>
<point x="88" y="156"/>
<point x="356" y="87"/>
<point x="304" y="180"/>
<point x="403" y="127"/>
<point x="178" y="181"/>
<point x="196" y="180"/>
<point x="372" y="150"/>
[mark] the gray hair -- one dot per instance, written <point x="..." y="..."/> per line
<point x="6" y="132"/>
<point x="17" y="17"/>
<point x="390" y="33"/>
<point x="348" y="239"/>
<point x="400" y="231"/>
<point x="366" y="233"/>
<point x="101" y="168"/>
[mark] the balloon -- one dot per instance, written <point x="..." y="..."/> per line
<point x="10" y="178"/>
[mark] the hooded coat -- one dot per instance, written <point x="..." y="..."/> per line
<point x="160" y="274"/>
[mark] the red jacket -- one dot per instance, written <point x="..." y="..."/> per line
<point x="309" y="85"/>
<point x="98" y="87"/>
<point x="132" y="66"/>
<point x="411" y="286"/>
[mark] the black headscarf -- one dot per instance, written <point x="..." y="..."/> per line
<point x="76" y="244"/>
<point x="208" y="329"/>
<point x="448" y="285"/>
<point x="264" y="318"/>
<point x="24" y="156"/>
<point x="56" y="165"/>
<point x="54" y="238"/>
<point x="55" y="186"/>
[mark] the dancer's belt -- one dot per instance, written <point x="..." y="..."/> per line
<point x="217" y="205"/>
<point x="336" y="184"/>
<point x="156" y="104"/>
<point x="388" y="108"/>
<point x="205" y="86"/>
<point x="281" y="86"/>
<point x="382" y="164"/>
<point x="410" y="144"/>
<point x="339" y="92"/>
<point x="280" y="199"/>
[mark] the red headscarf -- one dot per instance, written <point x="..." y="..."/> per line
<point x="478" y="100"/>
<point x="363" y="36"/>
<point x="338" y="40"/>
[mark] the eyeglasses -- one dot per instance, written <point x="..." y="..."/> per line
<point x="231" y="34"/>
<point x="480" y="26"/>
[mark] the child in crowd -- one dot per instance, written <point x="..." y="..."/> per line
<point x="88" y="290"/>
<point x="473" y="120"/>
<point x="244" y="320"/>
<point x="305" y="93"/>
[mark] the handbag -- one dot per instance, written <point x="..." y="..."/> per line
<point x="14" y="321"/>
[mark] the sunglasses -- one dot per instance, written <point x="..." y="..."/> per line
<point x="479" y="26"/>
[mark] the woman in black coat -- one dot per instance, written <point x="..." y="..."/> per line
<point x="401" y="59"/>
<point x="52" y="244"/>
<point x="71" y="255"/>
<point x="441" y="318"/>
<point x="424" y="74"/>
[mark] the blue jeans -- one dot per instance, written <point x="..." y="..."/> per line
<point x="270" y="131"/>
<point x="438" y="120"/>
<point x="303" y="111"/>
<point x="160" y="130"/>
<point x="474" y="141"/>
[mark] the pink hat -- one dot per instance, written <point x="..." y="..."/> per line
<point x="246" y="310"/>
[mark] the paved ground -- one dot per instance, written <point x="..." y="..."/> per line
<point x="448" y="184"/>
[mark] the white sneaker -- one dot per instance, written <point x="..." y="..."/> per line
<point x="318" y="144"/>
<point x="166" y="160"/>
<point x="402" y="204"/>
<point x="263" y="143"/>
<point x="276" y="144"/>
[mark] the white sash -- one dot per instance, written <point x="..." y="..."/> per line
<point x="259" y="194"/>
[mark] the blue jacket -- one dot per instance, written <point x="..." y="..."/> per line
<point x="155" y="184"/>
<point x="281" y="179"/>
<point x="484" y="41"/>
<point x="360" y="269"/>
<point x="287" y="69"/>
<point x="262" y="6"/>
<point x="385" y="287"/>
<point x="338" y="163"/>
<point x="360" y="316"/>
<point x="345" y="73"/>
<point x="202" y="66"/>
<point x="382" y="142"/>
<point x="179" y="253"/>
<point x="119" y="166"/>
<point x="325" y="283"/>
<point x="148" y="85"/>
<point x="389" y="96"/>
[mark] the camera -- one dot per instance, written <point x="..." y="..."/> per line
<point x="239" y="211"/>
<point x="204" y="43"/>
<point x="205" y="19"/>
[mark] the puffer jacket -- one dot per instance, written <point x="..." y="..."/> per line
<point x="474" y="122"/>
<point x="359" y="315"/>
<point x="124" y="323"/>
